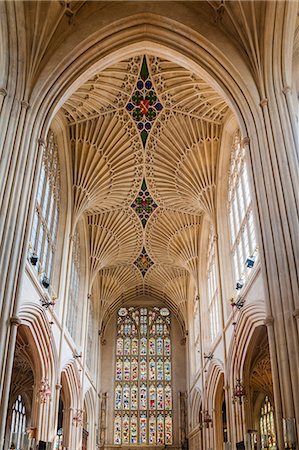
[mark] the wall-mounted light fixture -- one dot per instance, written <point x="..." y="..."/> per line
<point x="239" y="391"/>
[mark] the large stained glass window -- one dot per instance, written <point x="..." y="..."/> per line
<point x="143" y="394"/>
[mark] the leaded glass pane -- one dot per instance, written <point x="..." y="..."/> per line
<point x="241" y="221"/>
<point x="143" y="394"/>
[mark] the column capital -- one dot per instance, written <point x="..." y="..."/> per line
<point x="264" y="102"/>
<point x="3" y="92"/>
<point x="245" y="141"/>
<point x="15" y="321"/>
<point x="25" y="104"/>
<point x="296" y="313"/>
<point x="286" y="90"/>
<point x="42" y="142"/>
<point x="269" y="321"/>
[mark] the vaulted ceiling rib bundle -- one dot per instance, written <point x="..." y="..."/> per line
<point x="105" y="166"/>
<point x="182" y="168"/>
<point x="173" y="281"/>
<point x="115" y="281"/>
<point x="173" y="238"/>
<point x="147" y="119"/>
<point x="115" y="238"/>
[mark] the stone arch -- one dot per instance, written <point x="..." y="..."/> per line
<point x="35" y="362"/>
<point x="70" y="395"/>
<point x="195" y="408"/>
<point x="251" y="317"/>
<point x="89" y="426"/>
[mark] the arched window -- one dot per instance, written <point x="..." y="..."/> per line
<point x="196" y="319"/>
<point x="213" y="291"/>
<point x="90" y="340"/>
<point x="18" y="424"/>
<point x="143" y="393"/>
<point x="242" y="229"/>
<point x="44" y="228"/>
<point x="73" y="304"/>
<point x="267" y="427"/>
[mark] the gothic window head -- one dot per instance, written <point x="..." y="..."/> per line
<point x="43" y="237"/>
<point x="244" y="247"/>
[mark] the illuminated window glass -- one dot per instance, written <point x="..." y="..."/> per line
<point x="143" y="393"/>
<point x="90" y="340"/>
<point x="73" y="304"/>
<point x="241" y="219"/>
<point x="267" y="427"/>
<point x="196" y="329"/>
<point x="18" y="424"/>
<point x="44" y="228"/>
<point x="213" y="291"/>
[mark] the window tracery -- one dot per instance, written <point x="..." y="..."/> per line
<point x="267" y="427"/>
<point x="18" y="424"/>
<point x="196" y="333"/>
<point x="89" y="349"/>
<point x="213" y="291"/>
<point x="73" y="304"/>
<point x="44" y="228"/>
<point x="240" y="209"/>
<point x="143" y="393"/>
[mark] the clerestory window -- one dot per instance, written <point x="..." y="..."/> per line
<point x="44" y="228"/>
<point x="244" y="247"/>
<point x="143" y="376"/>
<point x="73" y="304"/>
<point x="213" y="290"/>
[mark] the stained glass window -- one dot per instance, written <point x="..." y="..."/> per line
<point x="244" y="247"/>
<point x="144" y="105"/>
<point x="44" y="228"/>
<point x="143" y="392"/>
<point x="143" y="262"/>
<point x="144" y="204"/>
<point x="267" y="427"/>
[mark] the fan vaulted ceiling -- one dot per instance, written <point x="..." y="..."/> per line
<point x="145" y="136"/>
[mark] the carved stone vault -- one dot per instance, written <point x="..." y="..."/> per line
<point x="145" y="137"/>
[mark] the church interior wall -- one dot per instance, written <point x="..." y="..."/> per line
<point x="206" y="371"/>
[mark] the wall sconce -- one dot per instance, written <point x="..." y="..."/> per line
<point x="45" y="282"/>
<point x="33" y="259"/>
<point x="250" y="261"/>
<point x="239" y="391"/>
<point x="45" y="303"/>
<point x="207" y="419"/>
<point x="44" y="391"/>
<point x="239" y="303"/>
<point x="289" y="433"/>
<point x="78" y="418"/>
<point x="240" y="284"/>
